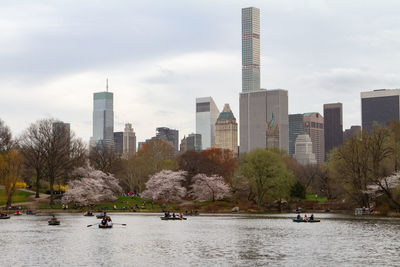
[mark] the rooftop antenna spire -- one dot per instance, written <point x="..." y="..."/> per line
<point x="107" y="85"/>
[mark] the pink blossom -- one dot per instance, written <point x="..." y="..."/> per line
<point x="206" y="188"/>
<point x="166" y="186"/>
<point x="91" y="186"/>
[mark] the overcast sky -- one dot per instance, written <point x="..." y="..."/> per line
<point x="160" y="55"/>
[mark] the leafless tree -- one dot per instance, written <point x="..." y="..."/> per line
<point x="104" y="158"/>
<point x="6" y="141"/>
<point x="53" y="151"/>
<point x="32" y="148"/>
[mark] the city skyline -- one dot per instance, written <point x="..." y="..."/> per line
<point x="156" y="87"/>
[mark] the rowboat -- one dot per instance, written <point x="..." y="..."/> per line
<point x="99" y="216"/>
<point x="54" y="222"/>
<point x="105" y="226"/>
<point x="310" y="221"/>
<point x="5" y="217"/>
<point x="172" y="218"/>
<point x="89" y="214"/>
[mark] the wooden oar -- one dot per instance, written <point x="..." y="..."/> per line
<point x="91" y="225"/>
<point x="123" y="224"/>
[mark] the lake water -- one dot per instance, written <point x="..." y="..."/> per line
<point x="206" y="240"/>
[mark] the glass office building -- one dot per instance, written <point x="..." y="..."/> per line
<point x="103" y="118"/>
<point x="379" y="106"/>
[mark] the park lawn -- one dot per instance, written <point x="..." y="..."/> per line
<point x="19" y="196"/>
<point x="122" y="201"/>
<point x="319" y="199"/>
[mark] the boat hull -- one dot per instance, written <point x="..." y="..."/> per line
<point x="4" y="217"/>
<point x="54" y="222"/>
<point x="310" y="221"/>
<point x="105" y="226"/>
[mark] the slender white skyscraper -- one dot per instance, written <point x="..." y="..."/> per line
<point x="250" y="49"/>
<point x="206" y="115"/>
<point x="103" y="118"/>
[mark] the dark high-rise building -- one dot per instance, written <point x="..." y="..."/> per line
<point x="118" y="142"/>
<point x="194" y="142"/>
<point x="296" y="127"/>
<point x="348" y="133"/>
<point x="169" y="135"/>
<point x="62" y="131"/>
<point x="333" y="126"/>
<point x="379" y="106"/>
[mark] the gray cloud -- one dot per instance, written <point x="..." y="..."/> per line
<point x="161" y="55"/>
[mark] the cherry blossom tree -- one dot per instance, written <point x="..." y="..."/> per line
<point x="91" y="186"/>
<point x="385" y="185"/>
<point x="166" y="186"/>
<point x="206" y="188"/>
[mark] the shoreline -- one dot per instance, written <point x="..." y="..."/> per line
<point x="72" y="211"/>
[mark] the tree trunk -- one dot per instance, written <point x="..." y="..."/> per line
<point x="37" y="183"/>
<point x="10" y="193"/>
<point x="8" y="205"/>
<point x="51" y="191"/>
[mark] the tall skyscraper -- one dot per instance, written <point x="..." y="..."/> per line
<point x="169" y="135"/>
<point x="206" y="115"/>
<point x="226" y="130"/>
<point x="253" y="120"/>
<point x="381" y="106"/>
<point x="256" y="105"/>
<point x="277" y="104"/>
<point x="333" y="126"/>
<point x="103" y="118"/>
<point x="296" y="127"/>
<point x="129" y="141"/>
<point x="314" y="127"/>
<point x="250" y="49"/>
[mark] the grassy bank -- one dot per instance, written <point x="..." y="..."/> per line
<point x="123" y="203"/>
<point x="316" y="198"/>
<point x="19" y="196"/>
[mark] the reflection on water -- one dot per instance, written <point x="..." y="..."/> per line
<point x="210" y="240"/>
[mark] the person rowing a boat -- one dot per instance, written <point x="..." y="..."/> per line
<point x="54" y="218"/>
<point x="298" y="217"/>
<point x="312" y="217"/>
<point x="109" y="221"/>
<point x="305" y="217"/>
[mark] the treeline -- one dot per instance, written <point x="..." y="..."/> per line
<point x="46" y="151"/>
<point x="360" y="172"/>
<point x="365" y="169"/>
